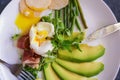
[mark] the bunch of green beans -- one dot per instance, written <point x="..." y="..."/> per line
<point x="70" y="14"/>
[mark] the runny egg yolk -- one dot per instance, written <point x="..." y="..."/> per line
<point x="24" y="23"/>
<point x="40" y="36"/>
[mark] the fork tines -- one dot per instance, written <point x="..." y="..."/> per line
<point x="25" y="75"/>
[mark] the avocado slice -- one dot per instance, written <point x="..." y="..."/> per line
<point x="68" y="75"/>
<point x="87" y="69"/>
<point x="49" y="73"/>
<point x="76" y="35"/>
<point x="88" y="53"/>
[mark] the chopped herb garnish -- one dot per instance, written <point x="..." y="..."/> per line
<point x="15" y="37"/>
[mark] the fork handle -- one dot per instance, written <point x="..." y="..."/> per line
<point x="3" y="62"/>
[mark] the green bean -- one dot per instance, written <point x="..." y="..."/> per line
<point x="77" y="24"/>
<point x="73" y="24"/>
<point x="81" y="15"/>
<point x="56" y="14"/>
<point x="70" y="16"/>
<point x="76" y="7"/>
<point x="56" y="20"/>
<point x="67" y="16"/>
<point x="59" y="14"/>
<point x="64" y="16"/>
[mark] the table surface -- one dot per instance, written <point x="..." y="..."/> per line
<point x="113" y="4"/>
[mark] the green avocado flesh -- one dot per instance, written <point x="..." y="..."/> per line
<point x="49" y="73"/>
<point x="76" y="35"/>
<point x="88" y="53"/>
<point x="87" y="69"/>
<point x="67" y="75"/>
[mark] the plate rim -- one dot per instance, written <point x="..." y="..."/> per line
<point x="110" y="11"/>
<point x="115" y="22"/>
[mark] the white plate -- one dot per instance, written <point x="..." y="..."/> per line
<point x="97" y="15"/>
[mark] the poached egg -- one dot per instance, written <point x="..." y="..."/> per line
<point x="40" y="36"/>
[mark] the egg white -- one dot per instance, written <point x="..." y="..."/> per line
<point x="46" y="45"/>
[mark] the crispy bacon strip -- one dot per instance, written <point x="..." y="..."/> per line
<point x="23" y="42"/>
<point x="30" y="58"/>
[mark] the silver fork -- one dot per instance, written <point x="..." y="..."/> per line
<point x="18" y="71"/>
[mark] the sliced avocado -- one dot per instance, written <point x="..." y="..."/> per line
<point x="87" y="69"/>
<point x="49" y="73"/>
<point x="67" y="75"/>
<point x="76" y="35"/>
<point x="88" y="53"/>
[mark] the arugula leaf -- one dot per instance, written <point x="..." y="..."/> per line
<point x="77" y="46"/>
<point x="44" y="60"/>
<point x="47" y="18"/>
<point x="66" y="44"/>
